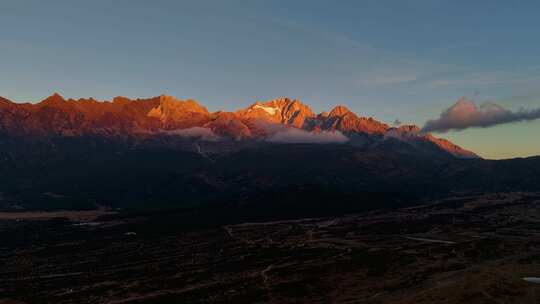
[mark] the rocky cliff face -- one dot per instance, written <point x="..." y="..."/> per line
<point x="343" y="119"/>
<point x="179" y="114"/>
<point x="144" y="118"/>
<point x="285" y="111"/>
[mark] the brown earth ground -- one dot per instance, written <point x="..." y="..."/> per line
<point x="466" y="249"/>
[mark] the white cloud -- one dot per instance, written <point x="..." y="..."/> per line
<point x="195" y="132"/>
<point x="466" y="114"/>
<point x="293" y="135"/>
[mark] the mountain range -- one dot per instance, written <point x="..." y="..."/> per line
<point x="272" y="159"/>
<point x="142" y="120"/>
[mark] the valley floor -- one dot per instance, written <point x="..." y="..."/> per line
<point x="466" y="249"/>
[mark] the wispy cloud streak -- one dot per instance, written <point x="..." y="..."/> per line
<point x="293" y="135"/>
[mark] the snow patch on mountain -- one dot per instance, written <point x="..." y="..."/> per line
<point x="270" y="110"/>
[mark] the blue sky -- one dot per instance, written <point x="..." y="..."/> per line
<point x="388" y="59"/>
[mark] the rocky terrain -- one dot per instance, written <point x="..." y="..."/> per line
<point x="461" y="249"/>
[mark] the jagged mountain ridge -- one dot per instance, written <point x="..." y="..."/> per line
<point x="146" y="118"/>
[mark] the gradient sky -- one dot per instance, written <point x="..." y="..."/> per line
<point x="388" y="59"/>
